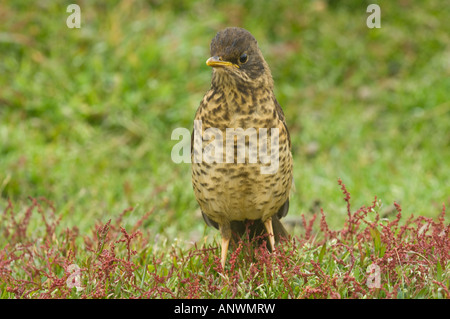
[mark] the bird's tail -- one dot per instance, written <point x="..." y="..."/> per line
<point x="256" y="230"/>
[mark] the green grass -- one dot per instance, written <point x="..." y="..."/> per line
<point x="86" y="114"/>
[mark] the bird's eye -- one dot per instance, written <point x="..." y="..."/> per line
<point x="243" y="58"/>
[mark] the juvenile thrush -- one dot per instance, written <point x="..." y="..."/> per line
<point x="232" y="190"/>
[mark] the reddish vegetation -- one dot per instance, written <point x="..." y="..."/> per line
<point x="412" y="259"/>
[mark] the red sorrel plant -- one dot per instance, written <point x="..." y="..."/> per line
<point x="37" y="264"/>
<point x="370" y="257"/>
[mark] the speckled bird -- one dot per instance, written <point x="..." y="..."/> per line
<point x="241" y="96"/>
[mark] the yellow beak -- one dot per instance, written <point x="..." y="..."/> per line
<point x="216" y="61"/>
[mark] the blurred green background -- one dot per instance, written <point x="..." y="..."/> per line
<point x="86" y="115"/>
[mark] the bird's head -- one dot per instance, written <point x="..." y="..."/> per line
<point x="238" y="61"/>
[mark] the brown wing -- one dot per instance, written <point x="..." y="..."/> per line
<point x="280" y="114"/>
<point x="285" y="208"/>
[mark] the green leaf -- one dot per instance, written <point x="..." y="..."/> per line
<point x="322" y="252"/>
<point x="438" y="271"/>
<point x="379" y="247"/>
<point x="376" y="236"/>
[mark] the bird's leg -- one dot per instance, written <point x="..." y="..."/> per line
<point x="269" y="228"/>
<point x="225" y="243"/>
<point x="225" y="231"/>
